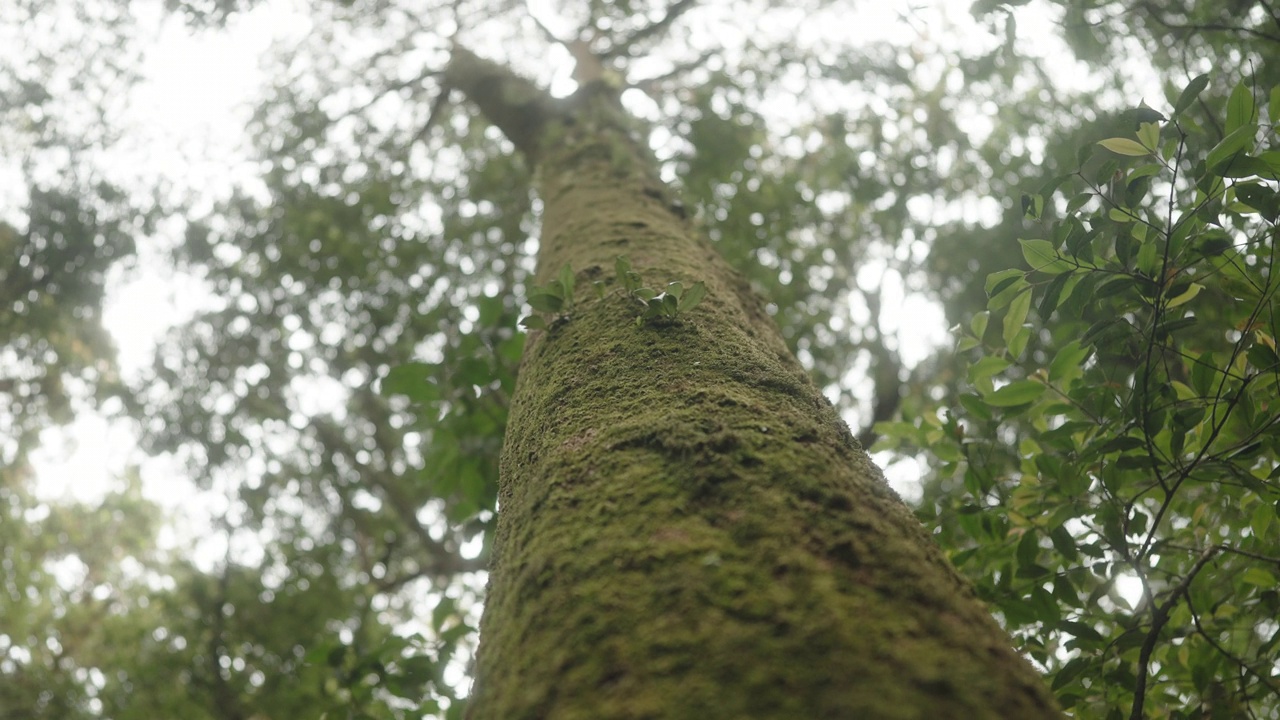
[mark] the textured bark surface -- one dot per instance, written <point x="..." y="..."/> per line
<point x="686" y="527"/>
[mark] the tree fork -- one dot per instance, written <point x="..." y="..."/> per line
<point x="687" y="529"/>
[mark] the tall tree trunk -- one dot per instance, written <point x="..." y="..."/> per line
<point x="686" y="528"/>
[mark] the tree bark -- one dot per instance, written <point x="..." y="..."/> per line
<point x="686" y="528"/>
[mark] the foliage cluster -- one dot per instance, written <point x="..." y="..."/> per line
<point x="667" y="304"/>
<point x="1109" y="471"/>
<point x="555" y="299"/>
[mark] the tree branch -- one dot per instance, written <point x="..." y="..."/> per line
<point x="1240" y="663"/>
<point x="1204" y="27"/>
<point x="439" y="558"/>
<point x="1271" y="12"/>
<point x="1159" y="617"/>
<point x="437" y="109"/>
<point x="512" y="103"/>
<point x="649" y="86"/>
<point x="680" y="7"/>
<point x="388" y="89"/>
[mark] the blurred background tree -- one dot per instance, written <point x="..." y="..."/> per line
<point x="864" y="168"/>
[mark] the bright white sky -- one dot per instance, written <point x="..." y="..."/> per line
<point x="187" y="122"/>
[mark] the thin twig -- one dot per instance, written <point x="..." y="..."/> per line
<point x="1160" y="617"/>
<point x="1195" y="619"/>
<point x="680" y="7"/>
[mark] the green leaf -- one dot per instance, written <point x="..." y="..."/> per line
<point x="491" y="310"/>
<point x="1136" y="191"/>
<point x="1071" y="671"/>
<point x="413" y="380"/>
<point x="1017" y="314"/>
<point x="1059" y="292"/>
<point x="1125" y="246"/>
<point x="1041" y="255"/>
<point x="1098" y="328"/>
<point x="598" y="286"/>
<point x="670" y="305"/>
<point x="1113" y="286"/>
<point x="546" y="302"/>
<point x="979" y="323"/>
<point x="417" y="670"/>
<point x="1273" y="105"/>
<point x="1051" y="186"/>
<point x="338" y="655"/>
<point x="1079" y="200"/>
<point x="1260" y="577"/>
<point x="1143" y="171"/>
<point x="644" y="294"/>
<point x="1019" y="341"/>
<point x="1148" y="259"/>
<point x="1263" y="357"/>
<point x="1245" y="166"/>
<point x="1240" y="140"/>
<point x="533" y="322"/>
<point x="567" y="282"/>
<point x="1065" y="544"/>
<point x="986" y="367"/>
<point x="1124" y="146"/>
<point x="1028" y="548"/>
<point x="1205" y="374"/>
<point x="1262" y="519"/>
<point x="1067" y="362"/>
<point x="622" y="266"/>
<point x="693" y="296"/>
<point x="1016" y="393"/>
<point x="1240" y="108"/>
<point x="1190" y="93"/>
<point x="675" y="288"/>
<point x="1032" y="206"/>
<point x="1008" y="291"/>
<point x="1120" y="444"/>
<point x="1260" y="198"/>
<point x="1149" y="136"/>
<point x="998" y="281"/>
<point x="1187" y="296"/>
<point x="974" y="405"/>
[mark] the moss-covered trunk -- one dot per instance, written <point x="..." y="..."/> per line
<point x="686" y="528"/>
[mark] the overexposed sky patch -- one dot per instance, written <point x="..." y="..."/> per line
<point x="184" y="134"/>
<point x="185" y="122"/>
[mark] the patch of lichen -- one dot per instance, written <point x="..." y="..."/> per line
<point x="687" y="530"/>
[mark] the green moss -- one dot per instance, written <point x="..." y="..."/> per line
<point x="687" y="529"/>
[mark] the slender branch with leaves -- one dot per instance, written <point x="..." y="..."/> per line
<point x="1117" y="444"/>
